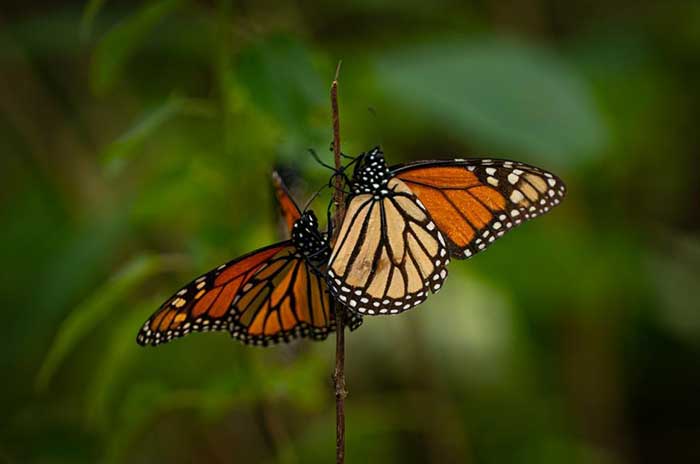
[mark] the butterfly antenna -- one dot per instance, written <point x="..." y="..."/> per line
<point x="313" y="197"/>
<point x="330" y="148"/>
<point x="354" y="159"/>
<point x="319" y="160"/>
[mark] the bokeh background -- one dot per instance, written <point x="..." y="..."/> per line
<point x="137" y="140"/>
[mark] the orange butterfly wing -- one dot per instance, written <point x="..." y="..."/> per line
<point x="204" y="304"/>
<point x="476" y="201"/>
<point x="267" y="296"/>
<point x="283" y="300"/>
<point x="288" y="208"/>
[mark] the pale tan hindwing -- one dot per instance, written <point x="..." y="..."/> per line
<point x="389" y="254"/>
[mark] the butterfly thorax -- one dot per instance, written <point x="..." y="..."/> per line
<point x="371" y="174"/>
<point x="308" y="240"/>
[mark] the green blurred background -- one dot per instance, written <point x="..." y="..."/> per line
<point x="136" y="142"/>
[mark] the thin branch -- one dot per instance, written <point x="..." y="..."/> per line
<point x="339" y="202"/>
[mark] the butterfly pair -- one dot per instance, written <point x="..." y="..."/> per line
<point x="273" y="294"/>
<point x="402" y="226"/>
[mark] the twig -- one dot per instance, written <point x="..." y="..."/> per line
<point x="339" y="202"/>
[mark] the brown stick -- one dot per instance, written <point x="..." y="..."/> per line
<point x="339" y="202"/>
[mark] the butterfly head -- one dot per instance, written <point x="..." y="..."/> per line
<point x="371" y="173"/>
<point x="308" y="239"/>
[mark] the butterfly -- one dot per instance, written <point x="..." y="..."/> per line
<point x="273" y="294"/>
<point x="404" y="223"/>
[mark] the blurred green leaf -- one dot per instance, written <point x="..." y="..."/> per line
<point x="90" y="12"/>
<point x="498" y="94"/>
<point x="94" y="309"/>
<point x="140" y="404"/>
<point x="298" y="381"/>
<point x="118" y="152"/>
<point x="675" y="276"/>
<point x="120" y="43"/>
<point x="481" y="334"/>
<point x="75" y="265"/>
<point x="114" y="157"/>
<point x="119" y="353"/>
<point x="279" y="76"/>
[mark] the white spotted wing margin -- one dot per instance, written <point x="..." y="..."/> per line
<point x="203" y="304"/>
<point x="476" y="201"/>
<point x="265" y="297"/>
<point x="389" y="254"/>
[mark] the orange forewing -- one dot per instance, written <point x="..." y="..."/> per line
<point x="441" y="177"/>
<point x="473" y="202"/>
<point x="246" y="266"/>
<point x="204" y="303"/>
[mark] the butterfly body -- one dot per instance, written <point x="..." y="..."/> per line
<point x="309" y="241"/>
<point x="371" y="175"/>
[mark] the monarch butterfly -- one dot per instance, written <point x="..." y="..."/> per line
<point x="273" y="294"/>
<point x="405" y="222"/>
